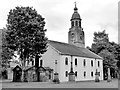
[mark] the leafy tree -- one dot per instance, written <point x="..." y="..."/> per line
<point x="106" y="49"/>
<point x="101" y="41"/>
<point x="100" y="37"/>
<point x="109" y="59"/>
<point x="26" y="33"/>
<point x="6" y="52"/>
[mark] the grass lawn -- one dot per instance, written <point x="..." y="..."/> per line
<point x="80" y="84"/>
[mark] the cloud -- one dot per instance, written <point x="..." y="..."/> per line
<point x="96" y="15"/>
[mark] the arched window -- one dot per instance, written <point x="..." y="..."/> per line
<point x="84" y="74"/>
<point x="76" y="23"/>
<point x="41" y="62"/>
<point x="75" y="61"/>
<point x="66" y="73"/>
<point x="98" y="64"/>
<point x="84" y="62"/>
<point x="72" y="23"/>
<point x="76" y="73"/>
<point x="92" y="63"/>
<point x="91" y="74"/>
<point x="66" y="61"/>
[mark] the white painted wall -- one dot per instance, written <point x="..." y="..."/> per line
<point x="80" y="68"/>
<point x="49" y="58"/>
<point x="52" y="54"/>
<point x="64" y="67"/>
<point x="100" y="69"/>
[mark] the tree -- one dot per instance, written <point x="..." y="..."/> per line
<point x="106" y="49"/>
<point x="26" y="33"/>
<point x="6" y="52"/>
<point x="100" y="37"/>
<point x="101" y="41"/>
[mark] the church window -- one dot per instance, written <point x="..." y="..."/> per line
<point x="66" y="61"/>
<point x="76" y="61"/>
<point x="84" y="74"/>
<point x="98" y="64"/>
<point x="66" y="73"/>
<point x="76" y="23"/>
<point x="91" y="74"/>
<point x="84" y="62"/>
<point x="92" y="63"/>
<point x="76" y="73"/>
<point x="41" y="62"/>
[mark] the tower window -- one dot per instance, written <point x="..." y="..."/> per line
<point x="76" y="23"/>
<point x="75" y="61"/>
<point x="72" y="23"/>
<point x="92" y="63"/>
<point x="66" y="61"/>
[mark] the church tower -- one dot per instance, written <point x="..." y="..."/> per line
<point x="76" y="33"/>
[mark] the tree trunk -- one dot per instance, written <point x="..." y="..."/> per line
<point x="37" y="66"/>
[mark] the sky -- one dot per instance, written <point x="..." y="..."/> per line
<point x="96" y="15"/>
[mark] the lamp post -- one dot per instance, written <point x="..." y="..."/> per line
<point x="71" y="73"/>
<point x="96" y="73"/>
<point x="56" y="79"/>
<point x="109" y="76"/>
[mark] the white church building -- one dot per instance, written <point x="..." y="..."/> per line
<point x="84" y="62"/>
<point x="60" y="57"/>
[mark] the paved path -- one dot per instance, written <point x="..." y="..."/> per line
<point x="85" y="84"/>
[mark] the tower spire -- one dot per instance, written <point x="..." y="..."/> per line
<point x="75" y="4"/>
<point x="75" y="9"/>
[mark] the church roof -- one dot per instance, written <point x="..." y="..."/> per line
<point x="68" y="49"/>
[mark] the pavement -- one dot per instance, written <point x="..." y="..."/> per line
<point x="78" y="84"/>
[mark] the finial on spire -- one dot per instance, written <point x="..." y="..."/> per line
<point x="75" y="4"/>
<point x="75" y="7"/>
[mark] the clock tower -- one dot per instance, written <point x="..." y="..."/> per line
<point x="76" y="33"/>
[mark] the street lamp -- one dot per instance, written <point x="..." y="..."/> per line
<point x="109" y="76"/>
<point x="56" y="79"/>
<point x="96" y="73"/>
<point x="71" y="73"/>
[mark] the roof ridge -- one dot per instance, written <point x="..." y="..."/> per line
<point x="69" y="49"/>
<point x="64" y="43"/>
